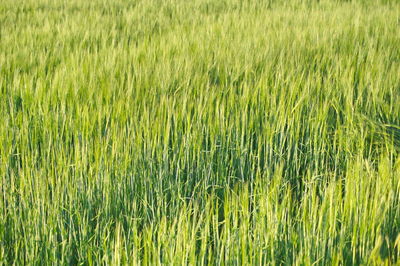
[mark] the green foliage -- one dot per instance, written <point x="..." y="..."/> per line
<point x="199" y="132"/>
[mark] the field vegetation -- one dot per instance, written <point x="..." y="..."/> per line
<point x="176" y="132"/>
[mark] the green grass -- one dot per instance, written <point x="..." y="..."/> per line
<point x="202" y="132"/>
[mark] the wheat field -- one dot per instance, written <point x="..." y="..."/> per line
<point x="199" y="132"/>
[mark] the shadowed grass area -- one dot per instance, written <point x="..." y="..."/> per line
<point x="200" y="132"/>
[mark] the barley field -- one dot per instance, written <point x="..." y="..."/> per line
<point x="199" y="132"/>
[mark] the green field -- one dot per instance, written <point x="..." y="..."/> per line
<point x="199" y="132"/>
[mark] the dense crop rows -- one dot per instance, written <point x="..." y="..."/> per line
<point x="199" y="132"/>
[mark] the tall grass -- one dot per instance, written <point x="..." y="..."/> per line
<point x="199" y="132"/>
